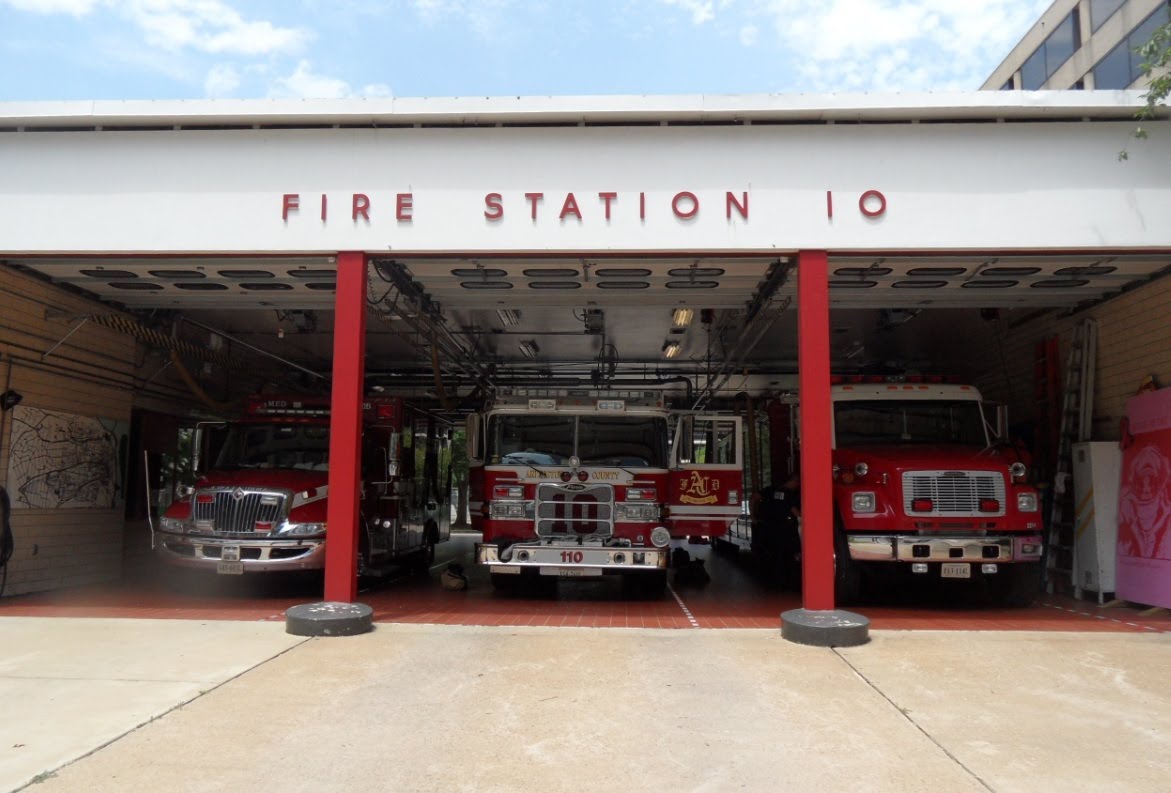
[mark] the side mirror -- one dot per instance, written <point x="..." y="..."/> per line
<point x="1002" y="422"/>
<point x="473" y="437"/>
<point x="209" y="440"/>
<point x="686" y="434"/>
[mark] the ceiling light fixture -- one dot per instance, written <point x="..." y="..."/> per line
<point x="670" y="349"/>
<point x="682" y="317"/>
<point x="509" y="318"/>
<point x="529" y="348"/>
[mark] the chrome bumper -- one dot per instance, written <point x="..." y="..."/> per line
<point x="551" y="559"/>
<point x="257" y="556"/>
<point x="913" y="548"/>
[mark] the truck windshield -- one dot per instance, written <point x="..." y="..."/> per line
<point x="302" y="446"/>
<point x="620" y="441"/>
<point x="909" y="421"/>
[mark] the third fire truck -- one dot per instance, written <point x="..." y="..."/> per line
<point x="573" y="485"/>
<point x="921" y="485"/>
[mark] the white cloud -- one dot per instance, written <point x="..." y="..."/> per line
<point x="749" y="34"/>
<point x="887" y="45"/>
<point x="304" y="83"/>
<point x="76" y="8"/>
<point x="222" y="80"/>
<point x="701" y="10"/>
<point x="209" y="26"/>
<point x="486" y="18"/>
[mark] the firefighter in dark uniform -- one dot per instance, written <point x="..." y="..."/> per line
<point x="776" y="532"/>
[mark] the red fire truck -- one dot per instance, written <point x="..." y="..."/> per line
<point x="921" y="485"/>
<point x="260" y="502"/>
<point x="571" y="485"/>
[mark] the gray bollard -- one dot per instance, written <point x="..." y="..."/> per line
<point x="825" y="628"/>
<point x="329" y="619"/>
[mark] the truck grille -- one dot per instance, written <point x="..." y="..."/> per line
<point x="236" y="510"/>
<point x="575" y="509"/>
<point x="953" y="493"/>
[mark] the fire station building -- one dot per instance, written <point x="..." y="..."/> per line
<point x="161" y="261"/>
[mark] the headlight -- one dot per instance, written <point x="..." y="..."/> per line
<point x="506" y="509"/>
<point x="1026" y="502"/>
<point x="184" y="491"/>
<point x="863" y="502"/>
<point x="302" y="529"/>
<point x="173" y="524"/>
<point x="637" y="511"/>
<point x="660" y="537"/>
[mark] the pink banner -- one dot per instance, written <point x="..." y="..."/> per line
<point x="1144" y="501"/>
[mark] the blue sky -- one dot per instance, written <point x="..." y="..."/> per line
<point x="193" y="49"/>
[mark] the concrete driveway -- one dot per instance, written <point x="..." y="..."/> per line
<point x="452" y="708"/>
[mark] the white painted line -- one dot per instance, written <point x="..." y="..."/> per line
<point x="682" y="605"/>
<point x="1100" y="617"/>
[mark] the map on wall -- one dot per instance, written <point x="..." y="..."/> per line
<point x="65" y="461"/>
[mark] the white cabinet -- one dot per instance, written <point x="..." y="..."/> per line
<point x="1097" y="471"/>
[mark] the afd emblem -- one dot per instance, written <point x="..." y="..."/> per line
<point x="698" y="489"/>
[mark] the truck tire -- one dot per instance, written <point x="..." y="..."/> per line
<point x="365" y="571"/>
<point x="422" y="559"/>
<point x="1016" y="585"/>
<point x="506" y="582"/>
<point x="847" y="574"/>
<point x="644" y="585"/>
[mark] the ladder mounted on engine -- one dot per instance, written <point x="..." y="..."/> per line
<point x="1077" y="411"/>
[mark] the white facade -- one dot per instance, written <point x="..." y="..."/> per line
<point x="926" y="182"/>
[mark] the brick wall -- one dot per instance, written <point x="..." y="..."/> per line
<point x="91" y="374"/>
<point x="1134" y="340"/>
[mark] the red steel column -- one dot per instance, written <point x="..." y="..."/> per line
<point x="814" y="396"/>
<point x="345" y="428"/>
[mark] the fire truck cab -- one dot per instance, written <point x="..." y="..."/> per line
<point x="259" y="504"/>
<point x="921" y="484"/>
<point x="573" y="485"/>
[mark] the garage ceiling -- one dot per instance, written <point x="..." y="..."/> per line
<point x="539" y="317"/>
<point x="1052" y="281"/>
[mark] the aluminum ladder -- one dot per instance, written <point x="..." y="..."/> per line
<point x="1077" y="411"/>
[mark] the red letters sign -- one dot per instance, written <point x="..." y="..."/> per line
<point x="585" y="207"/>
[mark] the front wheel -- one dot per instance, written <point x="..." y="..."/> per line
<point x="1016" y="585"/>
<point x="645" y="585"/>
<point x="847" y="574"/>
<point x="507" y="583"/>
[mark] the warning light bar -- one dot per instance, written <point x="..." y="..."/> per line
<point x="841" y="379"/>
<point x="271" y="406"/>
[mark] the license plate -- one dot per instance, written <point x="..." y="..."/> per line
<point x="230" y="568"/>
<point x="571" y="572"/>
<point x="230" y="553"/>
<point x="956" y="570"/>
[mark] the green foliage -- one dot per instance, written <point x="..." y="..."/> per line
<point x="459" y="455"/>
<point x="1156" y="55"/>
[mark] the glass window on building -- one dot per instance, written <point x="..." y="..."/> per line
<point x="1101" y="10"/>
<point x="1061" y="44"/>
<point x="1053" y="52"/>
<point x="1113" y="71"/>
<point x="1122" y="65"/>
<point x="1033" y="71"/>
